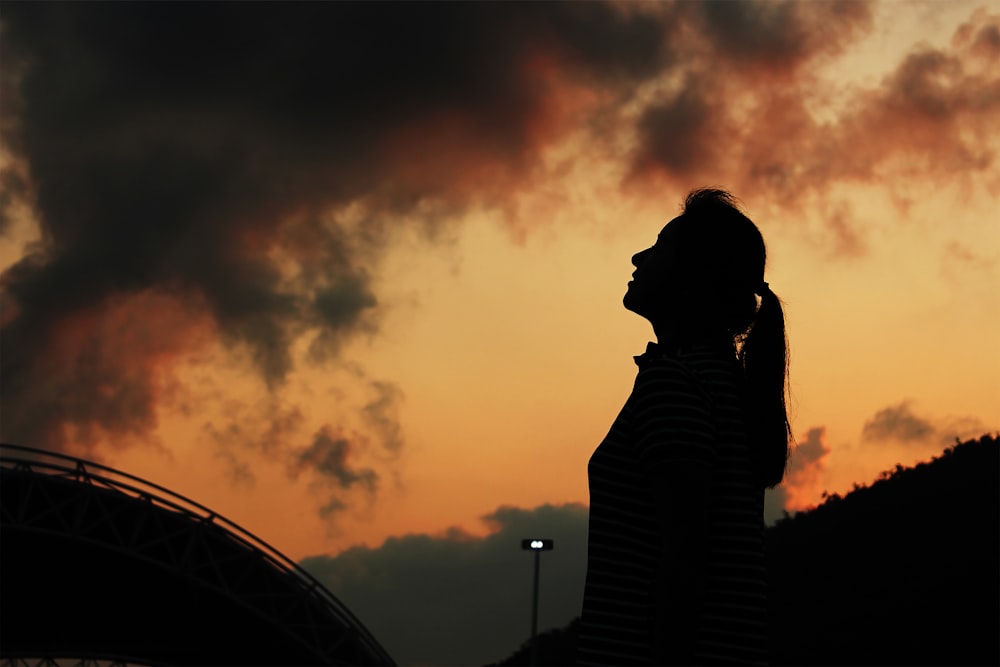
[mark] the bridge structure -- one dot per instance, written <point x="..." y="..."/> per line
<point x="98" y="564"/>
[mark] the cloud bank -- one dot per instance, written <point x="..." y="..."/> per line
<point x="458" y="599"/>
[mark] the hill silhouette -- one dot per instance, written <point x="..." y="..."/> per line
<point x="903" y="571"/>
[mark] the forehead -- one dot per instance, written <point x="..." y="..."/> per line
<point x="668" y="231"/>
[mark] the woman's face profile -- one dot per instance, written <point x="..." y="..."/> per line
<point x="647" y="291"/>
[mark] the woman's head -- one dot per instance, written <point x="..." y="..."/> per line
<point x="700" y="281"/>
<point x="700" y="276"/>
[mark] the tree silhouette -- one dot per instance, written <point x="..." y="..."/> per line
<point x="904" y="571"/>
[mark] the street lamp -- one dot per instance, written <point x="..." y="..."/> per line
<point x="538" y="546"/>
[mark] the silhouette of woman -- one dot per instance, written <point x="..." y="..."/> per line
<point x="675" y="571"/>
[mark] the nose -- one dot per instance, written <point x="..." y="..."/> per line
<point x="637" y="257"/>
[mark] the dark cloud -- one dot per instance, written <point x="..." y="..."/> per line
<point x="97" y="377"/>
<point x="266" y="429"/>
<point x="328" y="455"/>
<point x="899" y="423"/>
<point x="695" y="131"/>
<point x="337" y="464"/>
<point x="781" y="35"/>
<point x="13" y="189"/>
<point x="679" y="134"/>
<point x="330" y="458"/>
<point x="460" y="599"/>
<point x="753" y="124"/>
<point x="208" y="151"/>
<point x="939" y="107"/>
<point x="382" y="414"/>
<point x="985" y="41"/>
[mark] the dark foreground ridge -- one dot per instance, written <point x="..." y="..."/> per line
<point x="904" y="571"/>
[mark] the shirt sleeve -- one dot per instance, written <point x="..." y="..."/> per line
<point x="673" y="424"/>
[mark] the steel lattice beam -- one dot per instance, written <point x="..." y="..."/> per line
<point x="92" y="516"/>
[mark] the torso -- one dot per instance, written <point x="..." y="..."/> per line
<point x="624" y="540"/>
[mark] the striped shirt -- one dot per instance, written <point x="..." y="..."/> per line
<point x="685" y="412"/>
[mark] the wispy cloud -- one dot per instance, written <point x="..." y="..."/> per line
<point x="329" y="458"/>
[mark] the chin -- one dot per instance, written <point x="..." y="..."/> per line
<point x="631" y="302"/>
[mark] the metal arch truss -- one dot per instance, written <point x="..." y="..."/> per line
<point x="56" y="662"/>
<point x="116" y="510"/>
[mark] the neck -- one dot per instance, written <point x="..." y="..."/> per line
<point x="672" y="338"/>
<point x="665" y="336"/>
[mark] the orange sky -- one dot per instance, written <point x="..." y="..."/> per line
<point x="499" y="352"/>
<point x="357" y="287"/>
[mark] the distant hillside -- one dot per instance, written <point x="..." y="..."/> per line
<point x="904" y="571"/>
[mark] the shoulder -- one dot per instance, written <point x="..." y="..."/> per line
<point x="670" y="385"/>
<point x="697" y="375"/>
<point x="668" y="374"/>
<point x="673" y="416"/>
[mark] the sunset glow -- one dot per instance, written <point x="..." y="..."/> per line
<point x="393" y="307"/>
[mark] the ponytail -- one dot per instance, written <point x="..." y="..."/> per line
<point x="764" y="355"/>
<point x="722" y="253"/>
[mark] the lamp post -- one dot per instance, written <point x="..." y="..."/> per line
<point x="538" y="546"/>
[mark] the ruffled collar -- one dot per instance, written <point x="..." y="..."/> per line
<point x="657" y="351"/>
<point x="653" y="353"/>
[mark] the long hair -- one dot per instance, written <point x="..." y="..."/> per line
<point x="723" y="253"/>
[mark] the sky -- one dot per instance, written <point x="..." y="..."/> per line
<point x="351" y="274"/>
